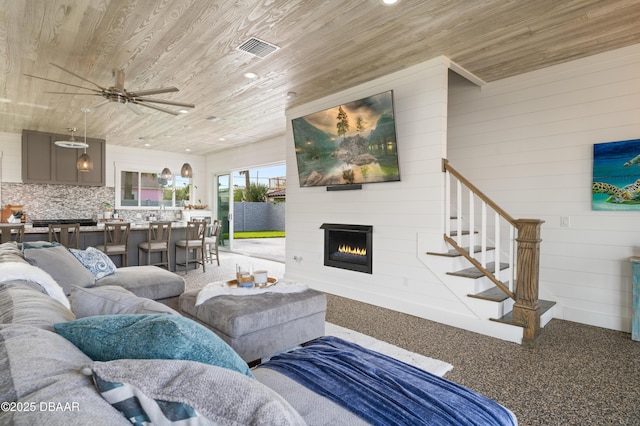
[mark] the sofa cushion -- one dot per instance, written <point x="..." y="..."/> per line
<point x="147" y="281"/>
<point x="153" y="336"/>
<point x="22" y="304"/>
<point x="98" y="263"/>
<point x="61" y="265"/>
<point x="237" y="316"/>
<point x="160" y="391"/>
<point x="40" y="368"/>
<point x="111" y="300"/>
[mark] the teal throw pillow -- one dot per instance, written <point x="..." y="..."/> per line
<point x="152" y="336"/>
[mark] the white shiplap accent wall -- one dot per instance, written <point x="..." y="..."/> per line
<point x="398" y="211"/>
<point x="527" y="142"/>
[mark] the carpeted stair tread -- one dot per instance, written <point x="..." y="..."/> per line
<point x="474" y="272"/>
<point x="493" y="294"/>
<point x="455" y="253"/>
<point x="507" y="318"/>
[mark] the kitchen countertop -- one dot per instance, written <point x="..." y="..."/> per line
<point x="135" y="226"/>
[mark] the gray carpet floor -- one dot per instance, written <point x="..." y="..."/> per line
<point x="578" y="374"/>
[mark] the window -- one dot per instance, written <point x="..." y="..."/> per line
<point x="146" y="189"/>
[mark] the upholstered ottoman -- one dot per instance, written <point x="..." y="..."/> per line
<point x="259" y="325"/>
<point x="147" y="281"/>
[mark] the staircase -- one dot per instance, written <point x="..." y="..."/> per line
<point x="498" y="279"/>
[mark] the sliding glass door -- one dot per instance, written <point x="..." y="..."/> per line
<point x="224" y="196"/>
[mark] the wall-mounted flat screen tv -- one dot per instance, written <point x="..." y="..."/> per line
<point x="351" y="143"/>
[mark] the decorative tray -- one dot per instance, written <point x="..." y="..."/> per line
<point x="270" y="281"/>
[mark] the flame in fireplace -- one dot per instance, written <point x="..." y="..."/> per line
<point x="352" y="250"/>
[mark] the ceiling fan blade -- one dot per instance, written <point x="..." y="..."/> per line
<point x="160" y="101"/>
<point x="68" y="93"/>
<point x="60" y="82"/>
<point x="140" y="93"/>
<point x="98" y="105"/>
<point x="76" y="75"/>
<point x="168" y="111"/>
<point x="133" y="108"/>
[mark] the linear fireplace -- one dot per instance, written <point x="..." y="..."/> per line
<point x="348" y="247"/>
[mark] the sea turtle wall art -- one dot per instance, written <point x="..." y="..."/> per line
<point x="616" y="176"/>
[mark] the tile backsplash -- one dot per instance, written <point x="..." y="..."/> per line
<point x="47" y="201"/>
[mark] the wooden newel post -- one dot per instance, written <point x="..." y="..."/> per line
<point x="526" y="310"/>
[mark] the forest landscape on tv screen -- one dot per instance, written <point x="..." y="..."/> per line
<point x="351" y="143"/>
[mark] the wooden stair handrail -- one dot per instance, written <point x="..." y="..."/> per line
<point x="447" y="168"/>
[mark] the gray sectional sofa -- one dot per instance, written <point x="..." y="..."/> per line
<point x="105" y="356"/>
<point x="46" y="378"/>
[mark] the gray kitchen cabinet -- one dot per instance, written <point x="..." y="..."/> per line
<point x="45" y="162"/>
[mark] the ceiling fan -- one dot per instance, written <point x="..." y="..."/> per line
<point x="117" y="93"/>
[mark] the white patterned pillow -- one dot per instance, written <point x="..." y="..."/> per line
<point x="98" y="263"/>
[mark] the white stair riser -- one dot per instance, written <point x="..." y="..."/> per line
<point x="489" y="309"/>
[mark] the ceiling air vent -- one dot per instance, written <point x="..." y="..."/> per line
<point x="257" y="47"/>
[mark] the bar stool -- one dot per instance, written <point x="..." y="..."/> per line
<point x="158" y="238"/>
<point x="66" y="234"/>
<point x="194" y="241"/>
<point x="116" y="240"/>
<point x="211" y="242"/>
<point x="11" y="233"/>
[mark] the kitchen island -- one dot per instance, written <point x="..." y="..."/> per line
<point x="91" y="236"/>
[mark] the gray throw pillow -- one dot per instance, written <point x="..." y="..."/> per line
<point x="62" y="266"/>
<point x="111" y="300"/>
<point x="161" y="391"/>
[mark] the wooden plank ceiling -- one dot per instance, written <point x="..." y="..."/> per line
<point x="325" y="46"/>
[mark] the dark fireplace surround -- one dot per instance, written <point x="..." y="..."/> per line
<point x="348" y="247"/>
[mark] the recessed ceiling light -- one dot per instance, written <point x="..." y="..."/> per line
<point x="291" y="95"/>
<point x="250" y="75"/>
<point x="389" y="2"/>
<point x="188" y="149"/>
<point x="147" y="144"/>
<point x="221" y="139"/>
<point x="183" y="111"/>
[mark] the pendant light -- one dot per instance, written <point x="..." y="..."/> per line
<point x="166" y="174"/>
<point x="85" y="163"/>
<point x="186" y="171"/>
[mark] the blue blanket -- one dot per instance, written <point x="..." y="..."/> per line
<point x="383" y="390"/>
